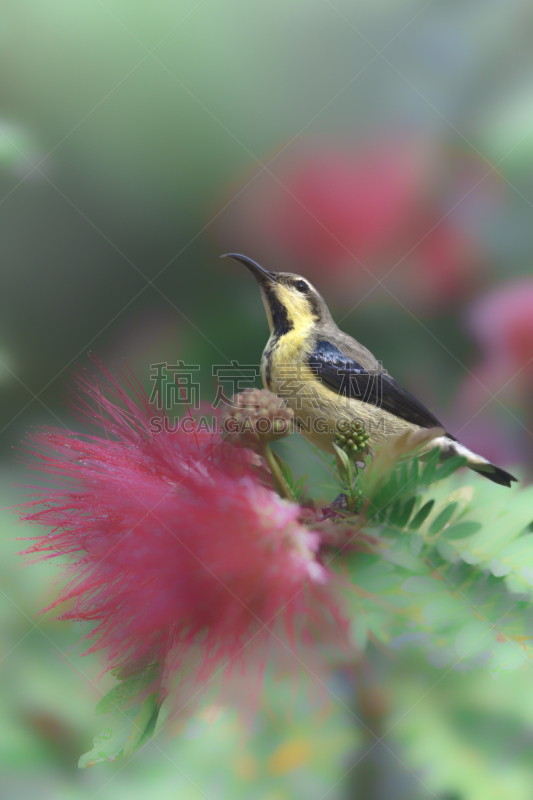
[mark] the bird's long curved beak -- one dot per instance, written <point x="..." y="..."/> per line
<point x="259" y="273"/>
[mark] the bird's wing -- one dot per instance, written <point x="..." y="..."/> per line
<point x="349" y="378"/>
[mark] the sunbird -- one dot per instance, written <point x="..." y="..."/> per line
<point x="330" y="380"/>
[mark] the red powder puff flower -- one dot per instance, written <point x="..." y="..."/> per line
<point x="177" y="552"/>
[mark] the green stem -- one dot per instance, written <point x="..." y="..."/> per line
<point x="279" y="481"/>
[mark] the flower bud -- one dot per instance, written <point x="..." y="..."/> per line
<point x="351" y="436"/>
<point x="257" y="416"/>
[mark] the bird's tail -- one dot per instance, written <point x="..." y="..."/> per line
<point x="494" y="473"/>
<point x="451" y="447"/>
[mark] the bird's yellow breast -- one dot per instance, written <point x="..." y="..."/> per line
<point x="319" y="409"/>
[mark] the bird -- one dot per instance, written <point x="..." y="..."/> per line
<point x="329" y="379"/>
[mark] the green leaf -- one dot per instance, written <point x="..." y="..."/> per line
<point x="299" y="487"/>
<point x="470" y="558"/>
<point x="422" y="585"/>
<point x="127" y="689"/>
<point x="375" y="577"/>
<point x="507" y="657"/>
<point x="460" y="530"/>
<point x="406" y="512"/>
<point x="394" y="513"/>
<point x="446" y="550"/>
<point x="443" y="609"/>
<point x="386" y="495"/>
<point x="344" y="465"/>
<point x="527" y="574"/>
<point x="430" y="466"/>
<point x="473" y="637"/>
<point x="405" y="484"/>
<point x="109" y="743"/>
<point x="392" y="487"/>
<point x="126" y="726"/>
<point x="414" y="475"/>
<point x="401" y="512"/>
<point x="163" y="715"/>
<point x="520" y="551"/>
<point x="125" y="731"/>
<point x="140" y="726"/>
<point x="416" y="544"/>
<point x="286" y="471"/>
<point x="498" y="568"/>
<point x="403" y="558"/>
<point x="504" y="525"/>
<point x="440" y="521"/>
<point x="448" y="467"/>
<point x="421" y="515"/>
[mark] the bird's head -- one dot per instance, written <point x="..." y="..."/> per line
<point x="291" y="302"/>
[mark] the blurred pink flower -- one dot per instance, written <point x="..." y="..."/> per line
<point x="502" y="322"/>
<point x="339" y="201"/>
<point x="177" y="551"/>
<point x="444" y="262"/>
<point x="353" y="214"/>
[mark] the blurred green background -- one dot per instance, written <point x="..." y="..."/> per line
<point x="384" y="150"/>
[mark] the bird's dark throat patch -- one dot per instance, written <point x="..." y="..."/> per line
<point x="280" y="316"/>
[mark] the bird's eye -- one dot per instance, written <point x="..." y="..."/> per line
<point x="302" y="286"/>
